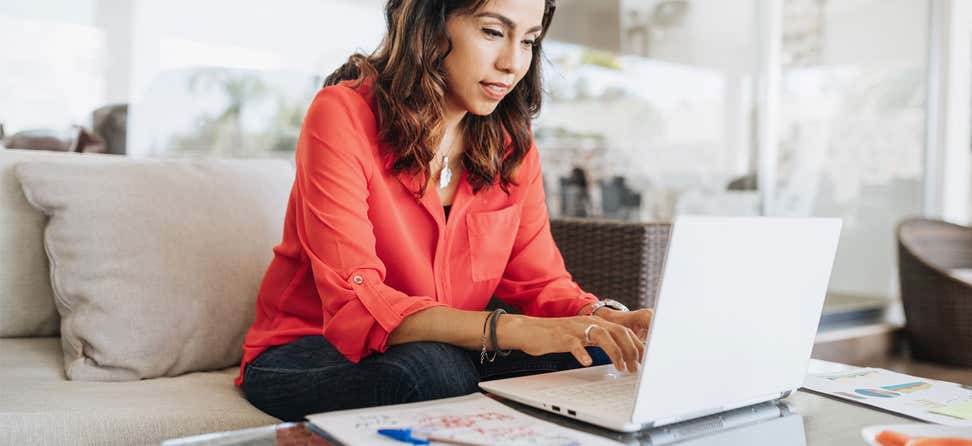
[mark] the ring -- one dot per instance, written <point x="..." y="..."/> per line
<point x="587" y="333"/>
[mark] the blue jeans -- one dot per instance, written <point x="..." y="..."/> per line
<point x="309" y="375"/>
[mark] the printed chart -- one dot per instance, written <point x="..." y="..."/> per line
<point x="924" y="399"/>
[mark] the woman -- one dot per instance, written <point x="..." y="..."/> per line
<point x="418" y="197"/>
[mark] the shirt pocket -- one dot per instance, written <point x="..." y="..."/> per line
<point x="491" y="237"/>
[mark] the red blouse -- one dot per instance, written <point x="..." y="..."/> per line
<point x="360" y="252"/>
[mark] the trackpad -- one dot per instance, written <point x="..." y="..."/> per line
<point x="568" y="377"/>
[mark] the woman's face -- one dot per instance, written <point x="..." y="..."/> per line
<point x="491" y="51"/>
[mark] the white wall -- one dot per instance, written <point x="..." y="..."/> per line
<point x="116" y="20"/>
<point x="72" y="56"/>
<point x="950" y="163"/>
<point x="282" y="43"/>
<point x="309" y="36"/>
<point x="52" y="63"/>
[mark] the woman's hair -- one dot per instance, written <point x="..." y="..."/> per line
<point x="409" y="89"/>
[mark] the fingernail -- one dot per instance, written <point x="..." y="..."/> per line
<point x="587" y="361"/>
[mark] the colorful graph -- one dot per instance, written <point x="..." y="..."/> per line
<point x="894" y="390"/>
<point x="908" y="387"/>
<point x="877" y="393"/>
<point x="850" y="395"/>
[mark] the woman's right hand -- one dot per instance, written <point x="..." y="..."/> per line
<point x="539" y="335"/>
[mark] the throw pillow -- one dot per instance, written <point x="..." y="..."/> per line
<point x="156" y="264"/>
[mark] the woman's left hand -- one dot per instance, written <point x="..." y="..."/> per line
<point x="639" y="321"/>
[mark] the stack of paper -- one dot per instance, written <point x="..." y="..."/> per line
<point x="930" y="400"/>
<point x="472" y="419"/>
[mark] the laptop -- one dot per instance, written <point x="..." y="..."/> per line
<point x="735" y="318"/>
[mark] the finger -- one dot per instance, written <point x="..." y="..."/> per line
<point x="628" y="351"/>
<point x="602" y="338"/>
<point x="580" y="354"/>
<point x="629" y="348"/>
<point x="642" y="325"/>
<point x="640" y="319"/>
<point x="648" y="317"/>
<point x="640" y="346"/>
<point x="637" y="345"/>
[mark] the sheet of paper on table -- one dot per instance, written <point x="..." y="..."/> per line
<point x="926" y="399"/>
<point x="962" y="411"/>
<point x="473" y="418"/>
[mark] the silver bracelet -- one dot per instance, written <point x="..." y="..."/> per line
<point x="610" y="303"/>
<point x="597" y="306"/>
<point x="483" y="354"/>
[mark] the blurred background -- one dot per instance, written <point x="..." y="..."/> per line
<point x="858" y="109"/>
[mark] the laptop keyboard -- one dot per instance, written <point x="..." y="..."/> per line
<point x="615" y="394"/>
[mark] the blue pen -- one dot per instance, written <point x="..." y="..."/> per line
<point x="405" y="436"/>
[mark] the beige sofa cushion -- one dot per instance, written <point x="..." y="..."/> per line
<point x="39" y="407"/>
<point x="26" y="299"/>
<point x="156" y="264"/>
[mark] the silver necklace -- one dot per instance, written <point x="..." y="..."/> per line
<point x="445" y="175"/>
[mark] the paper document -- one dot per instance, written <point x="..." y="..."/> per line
<point x="926" y="399"/>
<point x="474" y="418"/>
<point x="961" y="411"/>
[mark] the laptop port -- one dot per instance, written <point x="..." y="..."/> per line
<point x="557" y="408"/>
<point x="571" y="412"/>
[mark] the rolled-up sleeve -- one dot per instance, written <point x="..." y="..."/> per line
<point x="334" y="166"/>
<point x="535" y="279"/>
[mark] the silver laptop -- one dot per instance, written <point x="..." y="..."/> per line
<point x="735" y="318"/>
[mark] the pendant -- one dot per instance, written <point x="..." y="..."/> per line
<point x="445" y="177"/>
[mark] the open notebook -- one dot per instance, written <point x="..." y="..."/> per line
<point x="474" y="419"/>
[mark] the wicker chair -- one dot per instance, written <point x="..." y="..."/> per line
<point x="937" y="305"/>
<point x="614" y="259"/>
<point x="611" y="259"/>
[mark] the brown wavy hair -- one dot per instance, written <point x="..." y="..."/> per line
<point x="409" y="90"/>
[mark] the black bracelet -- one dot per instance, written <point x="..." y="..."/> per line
<point x="492" y="333"/>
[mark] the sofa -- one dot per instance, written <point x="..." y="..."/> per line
<point x="127" y="285"/>
<point x="39" y="404"/>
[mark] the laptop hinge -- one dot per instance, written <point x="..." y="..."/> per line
<point x="772" y="398"/>
<point x="714" y="423"/>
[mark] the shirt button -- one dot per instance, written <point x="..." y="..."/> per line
<point x="358" y="280"/>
